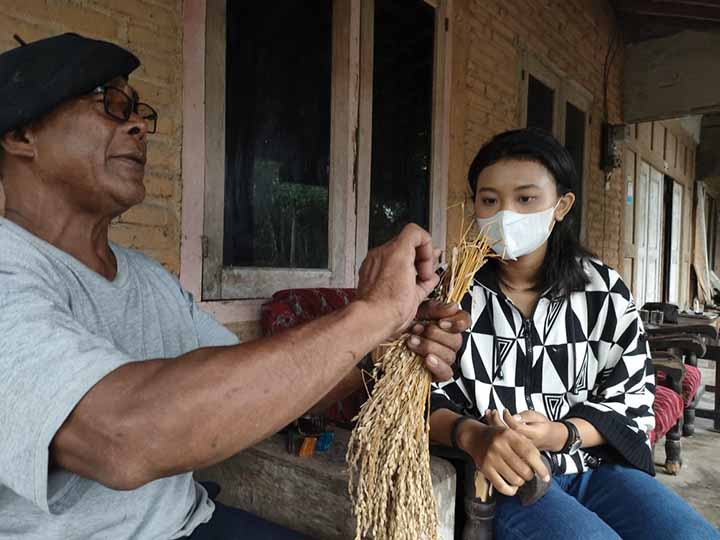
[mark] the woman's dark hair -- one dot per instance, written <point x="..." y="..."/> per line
<point x="562" y="270"/>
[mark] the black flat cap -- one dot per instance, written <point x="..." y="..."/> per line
<point x="37" y="77"/>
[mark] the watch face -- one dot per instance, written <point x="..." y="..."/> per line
<point x="574" y="447"/>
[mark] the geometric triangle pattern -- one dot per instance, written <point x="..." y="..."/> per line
<point x="580" y="355"/>
<point x="553" y="405"/>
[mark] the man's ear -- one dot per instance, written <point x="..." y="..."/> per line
<point x="18" y="142"/>
<point x="564" y="206"/>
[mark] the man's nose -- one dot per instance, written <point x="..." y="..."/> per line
<point x="136" y="126"/>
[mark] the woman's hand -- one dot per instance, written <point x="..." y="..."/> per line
<point x="505" y="457"/>
<point x="439" y="342"/>
<point x="543" y="433"/>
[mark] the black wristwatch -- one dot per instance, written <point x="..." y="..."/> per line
<point x="574" y="441"/>
<point x="455" y="428"/>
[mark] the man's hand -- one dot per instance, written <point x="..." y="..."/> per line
<point x="400" y="274"/>
<point x="543" y="433"/>
<point x="439" y="341"/>
<point x="506" y="458"/>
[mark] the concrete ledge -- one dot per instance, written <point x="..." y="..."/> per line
<point x="310" y="494"/>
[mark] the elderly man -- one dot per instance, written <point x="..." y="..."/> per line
<point x="115" y="386"/>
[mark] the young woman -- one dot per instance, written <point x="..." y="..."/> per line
<point x="555" y="362"/>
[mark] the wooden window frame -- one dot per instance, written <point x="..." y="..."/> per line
<point x="440" y="143"/>
<point x="203" y="173"/>
<point x="565" y="91"/>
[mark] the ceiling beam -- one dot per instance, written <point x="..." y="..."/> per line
<point x="676" y="10"/>
<point x="672" y="77"/>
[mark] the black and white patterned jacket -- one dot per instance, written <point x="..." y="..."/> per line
<point x="583" y="355"/>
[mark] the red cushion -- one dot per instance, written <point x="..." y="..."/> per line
<point x="668" y="409"/>
<point x="291" y="307"/>
<point x="690" y="384"/>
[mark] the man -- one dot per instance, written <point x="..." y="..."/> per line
<point x="115" y="386"/>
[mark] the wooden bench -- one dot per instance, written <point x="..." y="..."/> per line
<point x="310" y="495"/>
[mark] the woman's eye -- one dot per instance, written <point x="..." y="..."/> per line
<point x="527" y="199"/>
<point x="489" y="202"/>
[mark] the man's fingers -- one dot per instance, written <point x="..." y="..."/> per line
<point x="420" y="240"/>
<point x="417" y="237"/>
<point x="426" y="287"/>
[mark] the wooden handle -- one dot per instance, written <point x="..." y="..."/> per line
<point x="483" y="488"/>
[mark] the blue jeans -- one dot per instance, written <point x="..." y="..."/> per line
<point x="610" y="502"/>
<point x="228" y="523"/>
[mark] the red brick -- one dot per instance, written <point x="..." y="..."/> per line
<point x="146" y="38"/>
<point x="147" y="213"/>
<point x="137" y="10"/>
<point x="159" y="186"/>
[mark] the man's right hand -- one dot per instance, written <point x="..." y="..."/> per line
<point x="506" y="458"/>
<point x="399" y="275"/>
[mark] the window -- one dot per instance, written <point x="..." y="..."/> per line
<point x="575" y="122"/>
<point x="325" y="132"/>
<point x="540" y="105"/>
<point x="560" y="106"/>
<point x="404" y="37"/>
<point x="277" y="135"/>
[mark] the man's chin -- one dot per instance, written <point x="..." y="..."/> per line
<point x="129" y="197"/>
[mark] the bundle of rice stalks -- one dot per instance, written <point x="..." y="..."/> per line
<point x="388" y="452"/>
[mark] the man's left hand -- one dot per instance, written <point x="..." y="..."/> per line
<point x="439" y="341"/>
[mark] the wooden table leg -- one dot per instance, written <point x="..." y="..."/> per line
<point x="713" y="354"/>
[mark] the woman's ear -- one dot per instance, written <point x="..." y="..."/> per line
<point x="18" y="142"/>
<point x="564" y="206"/>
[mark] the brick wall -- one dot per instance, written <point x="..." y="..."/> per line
<point x="152" y="29"/>
<point x="569" y="35"/>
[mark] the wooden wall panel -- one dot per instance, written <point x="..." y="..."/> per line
<point x="658" y="139"/>
<point x="671" y="150"/>
<point x="644" y="136"/>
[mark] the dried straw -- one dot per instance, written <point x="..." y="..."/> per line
<point x="388" y="452"/>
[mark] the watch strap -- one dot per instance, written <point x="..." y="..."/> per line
<point x="572" y="438"/>
<point x="455" y="427"/>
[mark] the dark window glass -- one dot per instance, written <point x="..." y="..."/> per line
<point x="540" y="107"/>
<point x="277" y="133"/>
<point x="575" y="121"/>
<point x="402" y="116"/>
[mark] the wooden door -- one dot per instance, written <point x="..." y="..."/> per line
<point x="653" y="275"/>
<point x="629" y="248"/>
<point x="641" y="226"/>
<point x="675" y="241"/>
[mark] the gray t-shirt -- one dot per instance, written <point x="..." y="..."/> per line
<point x="63" y="328"/>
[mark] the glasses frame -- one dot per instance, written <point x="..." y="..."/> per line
<point x="150" y="120"/>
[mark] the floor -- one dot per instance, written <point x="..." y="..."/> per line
<point x="699" y="480"/>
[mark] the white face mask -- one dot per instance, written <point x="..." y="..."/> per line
<point x="515" y="234"/>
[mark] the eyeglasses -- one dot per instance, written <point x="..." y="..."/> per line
<point x="120" y="106"/>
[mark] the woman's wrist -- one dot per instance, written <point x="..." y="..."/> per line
<point x="558" y="436"/>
